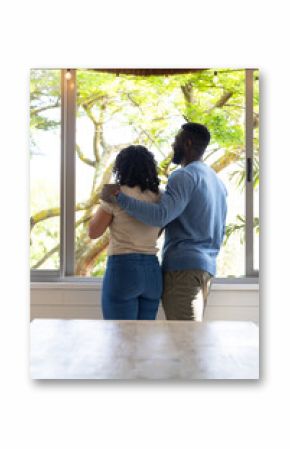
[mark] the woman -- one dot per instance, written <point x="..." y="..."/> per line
<point x="132" y="283"/>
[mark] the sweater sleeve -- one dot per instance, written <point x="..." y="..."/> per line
<point x="172" y="203"/>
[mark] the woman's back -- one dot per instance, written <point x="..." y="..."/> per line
<point x="128" y="235"/>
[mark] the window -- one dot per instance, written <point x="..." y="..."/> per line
<point x="45" y="151"/>
<point x="103" y="112"/>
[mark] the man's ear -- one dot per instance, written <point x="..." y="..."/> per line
<point x="188" y="144"/>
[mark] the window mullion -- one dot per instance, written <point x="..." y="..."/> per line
<point x="68" y="172"/>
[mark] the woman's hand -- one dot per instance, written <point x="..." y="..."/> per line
<point x="109" y="192"/>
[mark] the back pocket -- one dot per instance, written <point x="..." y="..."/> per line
<point x="123" y="280"/>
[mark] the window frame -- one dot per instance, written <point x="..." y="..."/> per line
<point x="68" y="174"/>
<point x="249" y="157"/>
<point x="68" y="183"/>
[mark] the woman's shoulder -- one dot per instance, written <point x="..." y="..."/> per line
<point x="136" y="192"/>
<point x="132" y="191"/>
<point x="152" y="196"/>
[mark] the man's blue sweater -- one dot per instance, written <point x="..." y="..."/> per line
<point x="193" y="208"/>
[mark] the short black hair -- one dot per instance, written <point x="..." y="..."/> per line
<point x="135" y="166"/>
<point x="198" y="134"/>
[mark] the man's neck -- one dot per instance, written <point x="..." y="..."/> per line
<point x="185" y="163"/>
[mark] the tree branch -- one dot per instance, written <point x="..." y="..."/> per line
<point x="86" y="261"/>
<point x="44" y="215"/>
<point x="188" y="92"/>
<point x="98" y="129"/>
<point x="84" y="219"/>
<point x="228" y="158"/>
<point x="84" y="158"/>
<point x="94" y="199"/>
<point x="44" y="108"/>
<point x="223" y="100"/>
<point x="45" y="257"/>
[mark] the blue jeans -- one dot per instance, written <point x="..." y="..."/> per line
<point x="132" y="287"/>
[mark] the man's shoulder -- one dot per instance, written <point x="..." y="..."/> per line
<point x="181" y="180"/>
<point x="180" y="173"/>
<point x="197" y="167"/>
<point x="202" y="171"/>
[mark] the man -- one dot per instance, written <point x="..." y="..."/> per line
<point x="193" y="211"/>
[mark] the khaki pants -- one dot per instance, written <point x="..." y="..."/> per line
<point x="185" y="294"/>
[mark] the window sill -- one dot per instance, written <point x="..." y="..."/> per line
<point x="219" y="284"/>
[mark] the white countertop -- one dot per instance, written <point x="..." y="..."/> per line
<point x="96" y="349"/>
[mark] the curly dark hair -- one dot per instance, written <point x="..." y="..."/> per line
<point x="136" y="166"/>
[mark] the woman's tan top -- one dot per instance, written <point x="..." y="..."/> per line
<point x="128" y="235"/>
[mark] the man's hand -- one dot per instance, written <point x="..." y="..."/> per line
<point x="109" y="192"/>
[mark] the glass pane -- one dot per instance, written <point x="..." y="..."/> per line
<point x="256" y="170"/>
<point x="228" y="159"/>
<point x="45" y="145"/>
<point x="115" y="111"/>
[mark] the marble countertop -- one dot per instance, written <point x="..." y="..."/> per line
<point x="96" y="349"/>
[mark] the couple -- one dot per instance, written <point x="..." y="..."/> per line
<point x="192" y="210"/>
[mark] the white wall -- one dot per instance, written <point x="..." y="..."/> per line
<point x="82" y="301"/>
